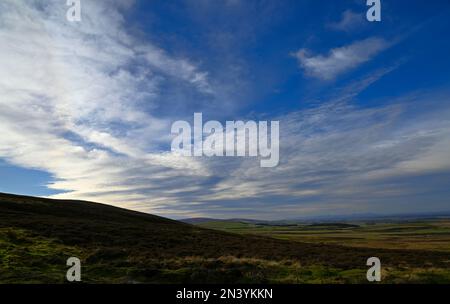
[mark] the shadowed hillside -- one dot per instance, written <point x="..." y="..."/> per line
<point x="117" y="245"/>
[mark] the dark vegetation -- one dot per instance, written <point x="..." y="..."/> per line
<point x="122" y="246"/>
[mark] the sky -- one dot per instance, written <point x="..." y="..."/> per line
<point x="86" y="107"/>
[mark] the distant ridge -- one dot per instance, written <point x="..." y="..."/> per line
<point x="202" y="220"/>
<point x="328" y="218"/>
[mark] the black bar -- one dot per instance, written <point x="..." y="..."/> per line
<point x="81" y="293"/>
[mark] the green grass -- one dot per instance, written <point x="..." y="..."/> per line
<point x="41" y="259"/>
<point x="121" y="246"/>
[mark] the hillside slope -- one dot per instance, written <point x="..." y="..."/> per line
<point x="116" y="245"/>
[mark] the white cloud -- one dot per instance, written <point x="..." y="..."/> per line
<point x="350" y="21"/>
<point x="340" y="60"/>
<point x="345" y="159"/>
<point x="180" y="68"/>
<point x="77" y="101"/>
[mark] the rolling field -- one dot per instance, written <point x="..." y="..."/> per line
<point x="431" y="234"/>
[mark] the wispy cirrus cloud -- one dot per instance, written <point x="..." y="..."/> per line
<point x="80" y="101"/>
<point x="340" y="157"/>
<point x="340" y="60"/>
<point x="350" y="21"/>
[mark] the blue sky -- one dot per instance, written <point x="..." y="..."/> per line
<point x="364" y="108"/>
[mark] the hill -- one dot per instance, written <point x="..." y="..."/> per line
<point x="116" y="245"/>
<point x="204" y="220"/>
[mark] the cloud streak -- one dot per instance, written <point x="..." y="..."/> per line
<point x="339" y="156"/>
<point x="350" y="21"/>
<point x="340" y="60"/>
<point x="77" y="101"/>
<point x="80" y="101"/>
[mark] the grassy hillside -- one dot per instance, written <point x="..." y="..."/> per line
<point x="121" y="246"/>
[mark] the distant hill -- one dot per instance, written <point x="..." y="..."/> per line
<point x="328" y="219"/>
<point x="198" y="220"/>
<point x="37" y="235"/>
<point x="202" y="220"/>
